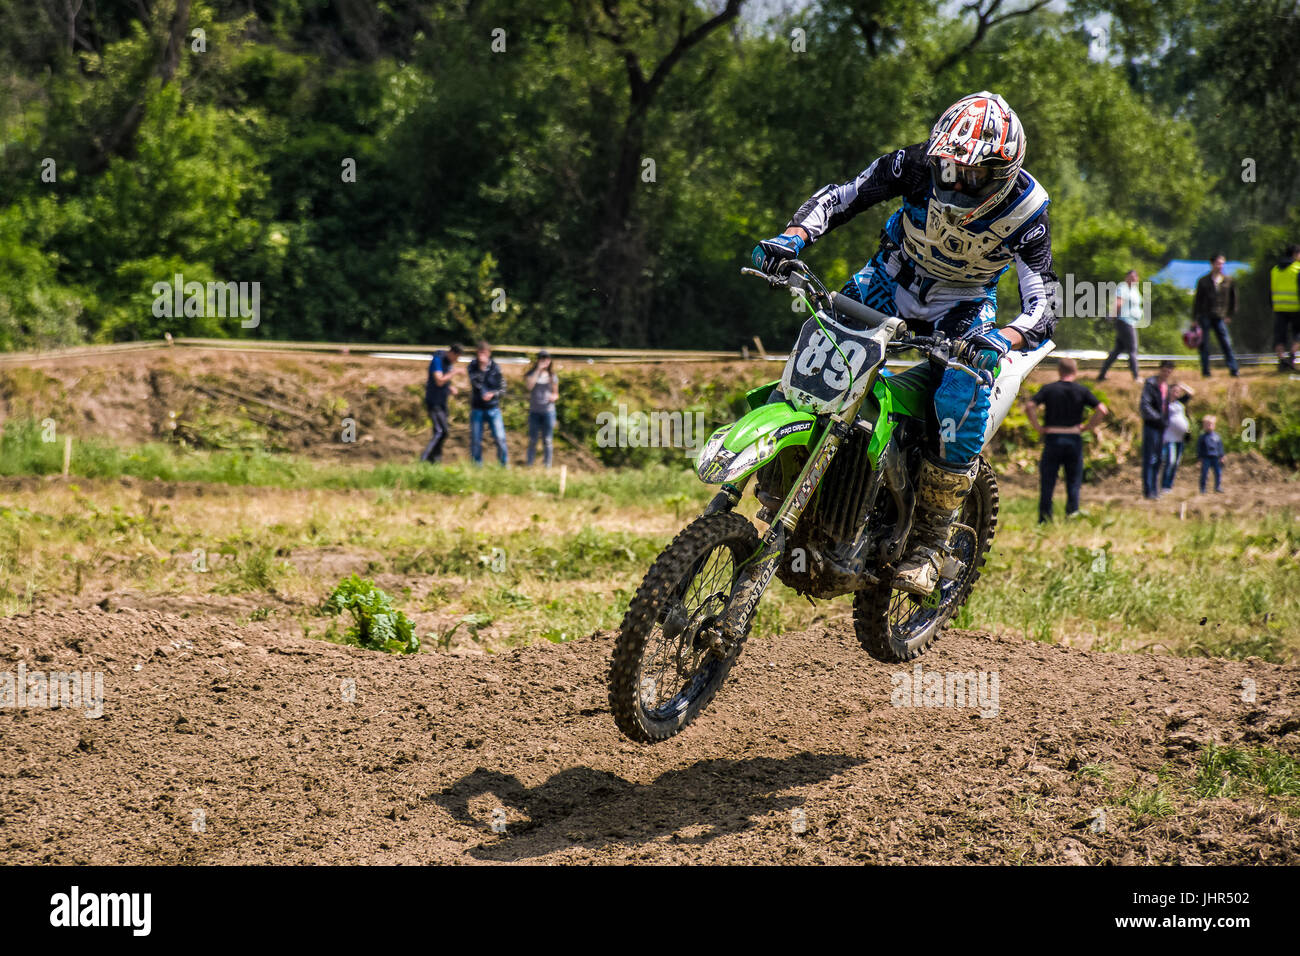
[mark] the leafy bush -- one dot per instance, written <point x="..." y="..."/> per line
<point x="377" y="625"/>
<point x="1282" y="447"/>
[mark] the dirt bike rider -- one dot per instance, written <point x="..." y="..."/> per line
<point x="969" y="212"/>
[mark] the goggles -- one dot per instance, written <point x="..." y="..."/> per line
<point x="975" y="182"/>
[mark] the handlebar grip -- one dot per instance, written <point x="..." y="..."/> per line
<point x="855" y="309"/>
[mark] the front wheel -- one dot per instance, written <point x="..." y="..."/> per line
<point x="664" y="671"/>
<point x="895" y="626"/>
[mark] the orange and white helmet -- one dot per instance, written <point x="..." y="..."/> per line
<point x="975" y="152"/>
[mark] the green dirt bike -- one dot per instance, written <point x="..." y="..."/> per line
<point x="834" y="448"/>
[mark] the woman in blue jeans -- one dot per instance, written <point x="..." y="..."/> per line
<point x="543" y="392"/>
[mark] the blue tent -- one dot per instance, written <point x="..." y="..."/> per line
<point x="1184" y="272"/>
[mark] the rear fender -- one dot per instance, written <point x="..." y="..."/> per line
<point x="1015" y="367"/>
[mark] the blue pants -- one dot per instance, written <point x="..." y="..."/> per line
<point x="1152" y="442"/>
<point x="1060" y="451"/>
<point x="1220" y="329"/>
<point x="960" y="405"/>
<point x="1170" y="458"/>
<point x="477" y="416"/>
<point x="1217" y="465"/>
<point x="541" y="425"/>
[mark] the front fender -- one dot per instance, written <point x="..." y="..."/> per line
<point x="737" y="450"/>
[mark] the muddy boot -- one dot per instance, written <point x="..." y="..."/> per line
<point x="940" y="492"/>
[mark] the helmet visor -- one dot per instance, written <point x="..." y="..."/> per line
<point x="960" y="185"/>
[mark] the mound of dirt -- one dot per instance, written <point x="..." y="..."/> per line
<point x="226" y="744"/>
<point x="300" y="403"/>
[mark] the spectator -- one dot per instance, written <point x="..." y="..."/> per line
<point x="1212" y="309"/>
<point x="1062" y="430"/>
<point x="1128" y="316"/>
<point x="1209" y="448"/>
<point x="1175" y="436"/>
<point x="543" y="392"/>
<point x="1154" y="410"/>
<point x="436" y="390"/>
<point x="488" y="385"/>
<point x="1285" y="281"/>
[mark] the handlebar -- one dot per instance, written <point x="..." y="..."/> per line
<point x="952" y="353"/>
<point x="855" y="309"/>
<point x="795" y="274"/>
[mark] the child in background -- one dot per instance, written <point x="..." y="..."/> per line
<point x="1209" y="448"/>
<point x="1175" y="436"/>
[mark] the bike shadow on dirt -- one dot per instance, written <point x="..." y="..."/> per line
<point x="595" y="808"/>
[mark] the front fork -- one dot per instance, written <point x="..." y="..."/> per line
<point x="756" y="573"/>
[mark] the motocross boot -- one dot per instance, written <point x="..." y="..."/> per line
<point x="940" y="492"/>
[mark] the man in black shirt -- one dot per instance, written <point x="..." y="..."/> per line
<point x="1213" y="308"/>
<point x="439" y="385"/>
<point x="1063" y="403"/>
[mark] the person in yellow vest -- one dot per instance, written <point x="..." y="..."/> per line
<point x="1285" y="281"/>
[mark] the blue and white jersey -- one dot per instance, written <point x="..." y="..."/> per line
<point x="936" y="259"/>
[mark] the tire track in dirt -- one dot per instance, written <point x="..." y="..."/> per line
<point x="437" y="753"/>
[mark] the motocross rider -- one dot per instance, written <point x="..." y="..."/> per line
<point x="969" y="212"/>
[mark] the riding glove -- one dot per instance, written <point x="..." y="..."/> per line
<point x="770" y="253"/>
<point x="991" y="345"/>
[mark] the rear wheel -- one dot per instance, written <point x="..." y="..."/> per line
<point x="664" y="671"/>
<point x="893" y="625"/>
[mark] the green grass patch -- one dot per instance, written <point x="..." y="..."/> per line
<point x="24" y="452"/>
<point x="1093" y="771"/>
<point x="1232" y="771"/>
<point x="1148" y="805"/>
<point x="1139" y="581"/>
<point x="501" y="544"/>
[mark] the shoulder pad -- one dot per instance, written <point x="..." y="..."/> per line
<point x="1031" y="201"/>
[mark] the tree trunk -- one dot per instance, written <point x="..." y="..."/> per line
<point x="166" y="63"/>
<point x="621" y="256"/>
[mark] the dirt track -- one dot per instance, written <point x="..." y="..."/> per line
<point x="250" y="727"/>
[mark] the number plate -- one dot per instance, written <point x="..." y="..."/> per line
<point x="822" y="377"/>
